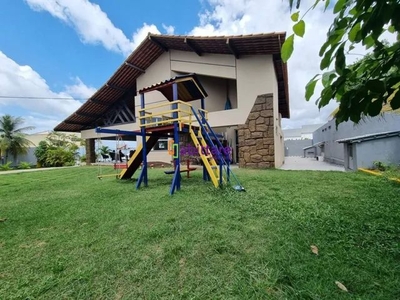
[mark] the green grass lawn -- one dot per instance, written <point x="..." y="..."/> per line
<point x="69" y="235"/>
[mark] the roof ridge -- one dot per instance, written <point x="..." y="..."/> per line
<point x="274" y="33"/>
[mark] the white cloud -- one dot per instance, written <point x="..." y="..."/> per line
<point x="89" y="21"/>
<point x="169" y="29"/>
<point x="80" y="90"/>
<point x="142" y="32"/>
<point x="93" y="25"/>
<point x="22" y="81"/>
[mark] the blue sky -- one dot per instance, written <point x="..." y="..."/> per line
<point x="69" y="48"/>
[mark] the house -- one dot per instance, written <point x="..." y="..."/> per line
<point x="245" y="79"/>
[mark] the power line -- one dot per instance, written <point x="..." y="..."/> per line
<point x="59" y="98"/>
<point x="40" y="98"/>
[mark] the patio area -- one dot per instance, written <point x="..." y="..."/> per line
<point x="308" y="163"/>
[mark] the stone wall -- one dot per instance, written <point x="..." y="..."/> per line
<point x="256" y="136"/>
<point x="90" y="151"/>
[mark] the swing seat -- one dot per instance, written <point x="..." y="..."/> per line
<point x="120" y="166"/>
<point x="181" y="171"/>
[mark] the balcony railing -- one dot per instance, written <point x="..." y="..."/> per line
<point x="167" y="113"/>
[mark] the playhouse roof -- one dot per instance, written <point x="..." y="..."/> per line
<point x="189" y="88"/>
<point x="124" y="79"/>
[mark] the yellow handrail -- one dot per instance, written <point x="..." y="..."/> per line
<point x="183" y="111"/>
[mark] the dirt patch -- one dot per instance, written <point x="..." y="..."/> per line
<point x="158" y="164"/>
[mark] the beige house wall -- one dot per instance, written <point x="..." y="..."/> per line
<point x="217" y="90"/>
<point x="205" y="58"/>
<point x="159" y="155"/>
<point x="204" y="69"/>
<point x="278" y="133"/>
<point x="36" y="138"/>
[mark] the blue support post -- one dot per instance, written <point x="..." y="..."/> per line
<point x="220" y="171"/>
<point x="176" y="181"/>
<point x="228" y="171"/>
<point x="143" y="174"/>
<point x="202" y="103"/>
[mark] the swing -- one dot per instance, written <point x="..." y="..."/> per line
<point x="120" y="155"/>
<point x="115" y="156"/>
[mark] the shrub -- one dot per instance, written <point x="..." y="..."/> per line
<point x="57" y="150"/>
<point x="59" y="157"/>
<point x="6" y="167"/>
<point x="41" y="153"/>
<point x="24" y="165"/>
<point x="380" y="166"/>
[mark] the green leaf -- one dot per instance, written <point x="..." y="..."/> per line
<point x="315" y="4"/>
<point x="299" y="28"/>
<point x="395" y="103"/>
<point x="327" y="78"/>
<point x="287" y="48"/>
<point x="376" y="86"/>
<point x="327" y="2"/>
<point x="375" y="107"/>
<point x="326" y="96"/>
<point x="295" y="16"/>
<point x="310" y="87"/>
<point x="340" y="62"/>
<point x="333" y="40"/>
<point x="353" y="32"/>
<point x="326" y="61"/>
<point x="353" y="11"/>
<point x="368" y="41"/>
<point x="339" y="6"/>
<point x="290" y="4"/>
<point x="391" y="29"/>
<point x="324" y="47"/>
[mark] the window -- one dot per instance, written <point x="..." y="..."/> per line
<point x="161" y="145"/>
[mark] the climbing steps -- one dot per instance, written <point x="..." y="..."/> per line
<point x="216" y="169"/>
<point x="207" y="158"/>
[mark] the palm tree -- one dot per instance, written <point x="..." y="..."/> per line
<point x="104" y="150"/>
<point x="12" y="137"/>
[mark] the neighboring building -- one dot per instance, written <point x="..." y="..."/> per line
<point x="299" y="138"/>
<point x="244" y="76"/>
<point x="364" y="140"/>
<point x="362" y="151"/>
<point x="303" y="133"/>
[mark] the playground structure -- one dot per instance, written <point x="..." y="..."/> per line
<point x="175" y="118"/>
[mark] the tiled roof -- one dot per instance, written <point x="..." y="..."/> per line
<point x="124" y="79"/>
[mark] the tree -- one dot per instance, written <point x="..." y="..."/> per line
<point x="370" y="85"/>
<point x="104" y="150"/>
<point x="41" y="153"/>
<point x="12" y="137"/>
<point x="59" y="149"/>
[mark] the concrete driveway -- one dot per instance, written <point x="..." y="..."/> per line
<point x="308" y="163"/>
